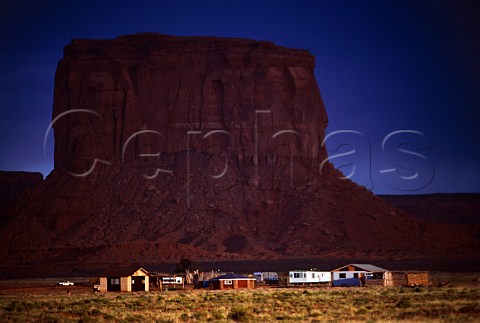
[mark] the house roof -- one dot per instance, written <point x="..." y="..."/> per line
<point x="366" y="267"/>
<point x="231" y="276"/>
<point x="124" y="272"/>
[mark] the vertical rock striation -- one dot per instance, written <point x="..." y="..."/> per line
<point x="172" y="85"/>
<point x="195" y="146"/>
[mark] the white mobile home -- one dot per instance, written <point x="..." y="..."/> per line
<point x="265" y="276"/>
<point x="174" y="282"/>
<point x="308" y="277"/>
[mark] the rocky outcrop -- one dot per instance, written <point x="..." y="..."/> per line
<point x="185" y="89"/>
<point x="13" y="185"/>
<point x="195" y="146"/>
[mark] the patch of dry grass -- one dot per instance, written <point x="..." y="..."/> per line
<point x="460" y="304"/>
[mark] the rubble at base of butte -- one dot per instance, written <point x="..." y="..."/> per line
<point x="203" y="147"/>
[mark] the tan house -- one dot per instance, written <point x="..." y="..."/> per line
<point x="127" y="281"/>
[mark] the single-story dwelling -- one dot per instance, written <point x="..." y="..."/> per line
<point x="308" y="277"/>
<point x="202" y="279"/>
<point x="358" y="275"/>
<point x="231" y="281"/>
<point x="126" y="281"/>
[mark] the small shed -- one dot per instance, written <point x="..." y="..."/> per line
<point x="413" y="278"/>
<point x="358" y="275"/>
<point x="231" y="281"/>
<point x="125" y="281"/>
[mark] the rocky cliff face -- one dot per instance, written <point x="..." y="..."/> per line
<point x="13" y="185"/>
<point x="195" y="146"/>
<point x="186" y="89"/>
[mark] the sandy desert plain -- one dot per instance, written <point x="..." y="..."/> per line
<point x="452" y="297"/>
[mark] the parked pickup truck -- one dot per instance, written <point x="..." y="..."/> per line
<point x="64" y="283"/>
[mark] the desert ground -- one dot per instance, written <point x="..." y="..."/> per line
<point x="452" y="296"/>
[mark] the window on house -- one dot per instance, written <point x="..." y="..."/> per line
<point x="228" y="282"/>
<point x="342" y="275"/>
<point x="355" y="275"/>
<point x="115" y="281"/>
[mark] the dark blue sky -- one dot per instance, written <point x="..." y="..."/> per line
<point x="382" y="66"/>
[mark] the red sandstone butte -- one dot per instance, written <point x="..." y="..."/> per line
<point x="195" y="146"/>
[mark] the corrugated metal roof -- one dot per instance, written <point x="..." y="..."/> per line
<point x="366" y="267"/>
